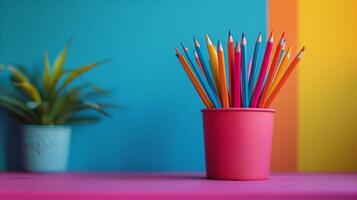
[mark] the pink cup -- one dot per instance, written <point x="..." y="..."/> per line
<point x="238" y="143"/>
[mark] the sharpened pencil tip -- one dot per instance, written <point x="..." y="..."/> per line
<point x="209" y="42"/>
<point x="299" y="56"/>
<point x="271" y="39"/>
<point x="283" y="35"/>
<point x="237" y="47"/>
<point x="184" y="47"/>
<point x="230" y="37"/>
<point x="259" y="38"/>
<point x="177" y="51"/>
<point x="289" y="52"/>
<point x="243" y="35"/>
<point x="196" y="55"/>
<point x="220" y="48"/>
<point x="244" y="40"/>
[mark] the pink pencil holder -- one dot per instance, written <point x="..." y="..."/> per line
<point x="238" y="143"/>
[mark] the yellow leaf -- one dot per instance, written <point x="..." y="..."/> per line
<point x="18" y="74"/>
<point x="79" y="71"/>
<point x="58" y="66"/>
<point x="30" y="90"/>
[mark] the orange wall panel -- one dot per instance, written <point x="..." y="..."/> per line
<point x="282" y="16"/>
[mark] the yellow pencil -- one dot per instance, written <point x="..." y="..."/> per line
<point x="222" y="70"/>
<point x="281" y="71"/>
<point x="214" y="62"/>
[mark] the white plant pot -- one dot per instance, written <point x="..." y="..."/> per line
<point x="45" y="148"/>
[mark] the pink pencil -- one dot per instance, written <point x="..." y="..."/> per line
<point x="258" y="87"/>
<point x="237" y="77"/>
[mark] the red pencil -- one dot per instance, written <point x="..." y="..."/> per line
<point x="263" y="70"/>
<point x="230" y="46"/>
<point x="284" y="78"/>
<point x="272" y="70"/>
<point x="236" y="92"/>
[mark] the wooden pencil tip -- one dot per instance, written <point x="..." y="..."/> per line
<point x="259" y="37"/>
<point x="177" y="51"/>
<point x="243" y="35"/>
<point x="183" y="47"/>
<point x="244" y="40"/>
<point x="196" y="42"/>
<point x="299" y="56"/>
<point x="208" y="40"/>
<point x="220" y="47"/>
<point x="271" y="38"/>
<point x="283" y="35"/>
<point x="237" y="47"/>
<point x="229" y="32"/>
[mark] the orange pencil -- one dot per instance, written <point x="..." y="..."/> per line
<point x="194" y="80"/>
<point x="199" y="63"/>
<point x="230" y="47"/>
<point x="272" y="70"/>
<point x="280" y="71"/>
<point x="284" y="78"/>
<point x="222" y="73"/>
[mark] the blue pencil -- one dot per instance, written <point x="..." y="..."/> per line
<point x="281" y="56"/>
<point x="202" y="79"/>
<point x="255" y="70"/>
<point x="205" y="69"/>
<point x="245" y="92"/>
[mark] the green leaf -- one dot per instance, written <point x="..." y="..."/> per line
<point x="17" y="107"/>
<point x="46" y="79"/>
<point x="58" y="67"/>
<point x="85" y="105"/>
<point x="79" y="71"/>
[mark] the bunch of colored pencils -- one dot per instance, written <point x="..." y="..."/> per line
<point x="247" y="83"/>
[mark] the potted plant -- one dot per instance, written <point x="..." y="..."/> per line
<point x="47" y="104"/>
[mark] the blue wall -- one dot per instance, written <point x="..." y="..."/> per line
<point x="161" y="129"/>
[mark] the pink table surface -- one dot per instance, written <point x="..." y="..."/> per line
<point x="171" y="186"/>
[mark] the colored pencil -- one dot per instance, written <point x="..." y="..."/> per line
<point x="214" y="62"/>
<point x="280" y="71"/>
<point x="272" y="70"/>
<point x="230" y="47"/>
<point x="223" y="78"/>
<point x="206" y="69"/>
<point x="263" y="69"/>
<point x="237" y="75"/>
<point x="284" y="78"/>
<point x="249" y="68"/>
<point x="255" y="67"/>
<point x="281" y="55"/>
<point x="193" y="79"/>
<point x="201" y="79"/>
<point x="245" y="89"/>
<point x="199" y="63"/>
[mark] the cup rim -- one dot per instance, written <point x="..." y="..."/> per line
<point x="238" y="109"/>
